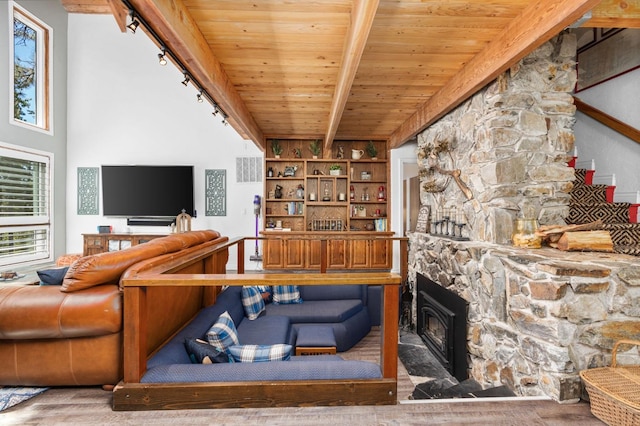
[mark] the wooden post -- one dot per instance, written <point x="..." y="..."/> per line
<point x="389" y="344"/>
<point x="135" y="333"/>
<point x="240" y="259"/>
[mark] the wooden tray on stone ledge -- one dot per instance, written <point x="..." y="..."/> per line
<point x="615" y="391"/>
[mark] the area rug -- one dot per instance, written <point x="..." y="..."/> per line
<point x="10" y="396"/>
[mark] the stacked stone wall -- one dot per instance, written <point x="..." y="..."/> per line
<point x="510" y="142"/>
<point x="536" y="317"/>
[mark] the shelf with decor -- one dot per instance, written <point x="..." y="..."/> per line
<point x="318" y="196"/>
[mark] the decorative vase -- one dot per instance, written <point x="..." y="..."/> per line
<point x="334" y="172"/>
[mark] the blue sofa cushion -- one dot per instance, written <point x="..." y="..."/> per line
<point x="266" y="330"/>
<point x="332" y="292"/>
<point x="252" y="302"/>
<point x="313" y="368"/>
<point x="53" y="276"/>
<point x="223" y="333"/>
<point x="318" y="311"/>
<point x="286" y="294"/>
<point x="230" y="300"/>
<point x="201" y="352"/>
<point x="259" y="353"/>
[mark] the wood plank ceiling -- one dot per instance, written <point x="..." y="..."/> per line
<point x="352" y="69"/>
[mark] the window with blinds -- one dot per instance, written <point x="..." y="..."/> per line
<point x="25" y="206"/>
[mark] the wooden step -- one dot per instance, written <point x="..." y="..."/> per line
<point x="623" y="234"/>
<point x="590" y="194"/>
<point x="587" y="212"/>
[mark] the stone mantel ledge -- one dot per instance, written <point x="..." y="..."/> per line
<point x="546" y="260"/>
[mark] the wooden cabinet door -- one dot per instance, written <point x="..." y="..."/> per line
<point x="359" y="254"/>
<point x="93" y="244"/>
<point x="294" y="254"/>
<point x="380" y="254"/>
<point x="337" y="256"/>
<point x="273" y="254"/>
<point x="313" y="254"/>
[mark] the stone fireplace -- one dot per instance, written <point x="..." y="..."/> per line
<point x="535" y="317"/>
<point x="442" y="325"/>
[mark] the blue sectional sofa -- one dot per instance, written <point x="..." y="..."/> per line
<point x="342" y="307"/>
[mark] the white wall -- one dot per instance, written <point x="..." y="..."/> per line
<point x="124" y="108"/>
<point x="400" y="158"/>
<point x="612" y="152"/>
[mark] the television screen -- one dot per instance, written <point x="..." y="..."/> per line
<point x="147" y="191"/>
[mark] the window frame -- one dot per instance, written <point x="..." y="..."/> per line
<point x="31" y="223"/>
<point x="44" y="70"/>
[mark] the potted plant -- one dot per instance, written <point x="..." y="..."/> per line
<point x="335" y="169"/>
<point x="372" y="151"/>
<point x="276" y="148"/>
<point x="315" y="148"/>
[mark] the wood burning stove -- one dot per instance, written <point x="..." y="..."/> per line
<point x="442" y="325"/>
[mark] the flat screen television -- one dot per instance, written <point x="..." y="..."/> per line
<point x="147" y="191"/>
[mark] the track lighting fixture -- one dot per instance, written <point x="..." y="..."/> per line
<point x="162" y="57"/>
<point x="137" y="20"/>
<point x="133" y="25"/>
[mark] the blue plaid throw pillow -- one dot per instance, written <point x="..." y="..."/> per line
<point x="259" y="353"/>
<point x="223" y="333"/>
<point x="252" y="301"/>
<point x="286" y="294"/>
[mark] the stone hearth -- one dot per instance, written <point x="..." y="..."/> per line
<point x="535" y="317"/>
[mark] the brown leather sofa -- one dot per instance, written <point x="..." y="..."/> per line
<point x="72" y="334"/>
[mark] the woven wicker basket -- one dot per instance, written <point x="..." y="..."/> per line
<point x="615" y="391"/>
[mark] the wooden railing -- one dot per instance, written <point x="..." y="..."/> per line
<point x="204" y="267"/>
<point x="607" y="120"/>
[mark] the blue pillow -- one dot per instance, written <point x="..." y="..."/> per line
<point x="286" y="294"/>
<point x="259" y="353"/>
<point x="223" y="333"/>
<point x="265" y="290"/>
<point x="53" y="276"/>
<point x="200" y="352"/>
<point x="252" y="302"/>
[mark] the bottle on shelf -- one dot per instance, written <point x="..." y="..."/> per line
<point x="352" y="193"/>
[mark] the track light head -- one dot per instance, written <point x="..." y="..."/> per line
<point x="199" y="96"/>
<point x="133" y="25"/>
<point x="215" y="110"/>
<point x="162" y="58"/>
<point x="225" y="122"/>
<point x="186" y="80"/>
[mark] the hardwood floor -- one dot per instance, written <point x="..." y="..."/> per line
<point x="92" y="406"/>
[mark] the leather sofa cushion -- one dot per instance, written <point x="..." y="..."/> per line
<point x="90" y="271"/>
<point x="43" y="312"/>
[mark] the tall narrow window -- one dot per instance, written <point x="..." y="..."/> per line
<point x="30" y="70"/>
<point x="25" y="204"/>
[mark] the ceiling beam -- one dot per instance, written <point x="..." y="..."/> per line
<point x="615" y="14"/>
<point x="362" y="16"/>
<point x="100" y="7"/>
<point x="120" y="12"/>
<point x="173" y="23"/>
<point x="539" y="22"/>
